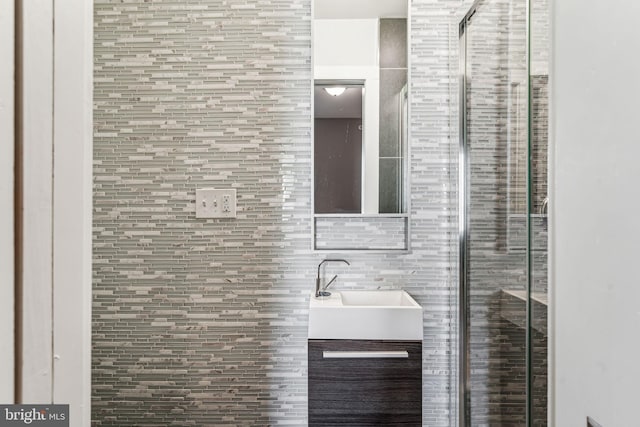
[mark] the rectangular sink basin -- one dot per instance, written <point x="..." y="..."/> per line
<point x="365" y="315"/>
<point x="377" y="299"/>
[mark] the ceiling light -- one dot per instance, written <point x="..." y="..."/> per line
<point x="335" y="91"/>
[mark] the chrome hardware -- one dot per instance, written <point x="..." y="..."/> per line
<point x="365" y="355"/>
<point x="544" y="207"/>
<point x="321" y="291"/>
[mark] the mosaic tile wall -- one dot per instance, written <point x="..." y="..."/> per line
<point x="204" y="322"/>
<point x="361" y="233"/>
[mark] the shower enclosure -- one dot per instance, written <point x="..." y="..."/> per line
<point x="503" y="199"/>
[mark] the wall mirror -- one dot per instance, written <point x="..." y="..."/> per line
<point x="361" y="135"/>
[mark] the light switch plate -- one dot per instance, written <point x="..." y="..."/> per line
<point x="215" y="203"/>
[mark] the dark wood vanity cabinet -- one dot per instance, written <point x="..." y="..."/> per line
<point x="365" y="383"/>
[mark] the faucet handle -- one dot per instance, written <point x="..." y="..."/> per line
<point x="330" y="282"/>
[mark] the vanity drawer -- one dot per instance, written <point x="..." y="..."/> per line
<point x="365" y="383"/>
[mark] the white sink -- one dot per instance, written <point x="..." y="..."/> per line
<point x="365" y="315"/>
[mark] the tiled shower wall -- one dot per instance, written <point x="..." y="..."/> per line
<point x="204" y="322"/>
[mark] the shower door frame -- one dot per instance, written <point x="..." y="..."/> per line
<point x="464" y="199"/>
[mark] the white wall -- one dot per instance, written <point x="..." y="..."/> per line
<point x="56" y="111"/>
<point x="72" y="207"/>
<point x="345" y="42"/>
<point x="595" y="212"/>
<point x="6" y="201"/>
<point x="37" y="172"/>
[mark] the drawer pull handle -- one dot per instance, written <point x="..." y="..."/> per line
<point x="365" y="355"/>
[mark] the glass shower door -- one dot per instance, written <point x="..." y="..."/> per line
<point x="495" y="273"/>
<point x="539" y="30"/>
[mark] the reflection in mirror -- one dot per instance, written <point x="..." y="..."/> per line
<point x="393" y="146"/>
<point x="360" y="158"/>
<point x="338" y="147"/>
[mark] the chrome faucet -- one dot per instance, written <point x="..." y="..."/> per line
<point x="321" y="291"/>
